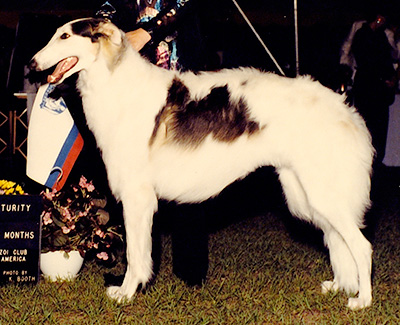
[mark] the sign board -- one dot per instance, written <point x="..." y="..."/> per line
<point x="19" y="238"/>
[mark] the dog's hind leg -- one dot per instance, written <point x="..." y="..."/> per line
<point x="295" y="195"/>
<point x="338" y="215"/>
<point x="346" y="242"/>
<point x="343" y="265"/>
<point x="138" y="216"/>
<point x="350" y="252"/>
<point x="342" y="261"/>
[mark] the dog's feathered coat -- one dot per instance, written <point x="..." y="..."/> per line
<point x="184" y="137"/>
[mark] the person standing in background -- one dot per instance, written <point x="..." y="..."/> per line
<point x="375" y="79"/>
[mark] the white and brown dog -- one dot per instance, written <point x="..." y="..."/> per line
<point x="186" y="136"/>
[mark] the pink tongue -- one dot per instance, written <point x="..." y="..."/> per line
<point x="61" y="68"/>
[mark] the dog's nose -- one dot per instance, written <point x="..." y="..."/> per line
<point x="33" y="64"/>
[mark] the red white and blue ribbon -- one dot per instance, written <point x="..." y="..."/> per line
<point x="54" y="142"/>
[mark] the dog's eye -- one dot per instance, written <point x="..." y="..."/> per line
<point x="65" y="36"/>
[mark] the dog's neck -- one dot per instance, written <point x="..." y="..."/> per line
<point x="111" y="67"/>
<point x="104" y="90"/>
<point x="113" y="54"/>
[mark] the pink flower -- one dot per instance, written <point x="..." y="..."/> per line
<point x="65" y="230"/>
<point x="84" y="184"/>
<point x="90" y="187"/>
<point x="102" y="256"/>
<point x="66" y="214"/>
<point x="49" y="195"/>
<point x="100" y="233"/>
<point x="47" y="218"/>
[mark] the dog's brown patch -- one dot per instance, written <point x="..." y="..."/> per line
<point x="188" y="122"/>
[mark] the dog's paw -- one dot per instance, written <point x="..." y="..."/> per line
<point x="359" y="303"/>
<point x="329" y="286"/>
<point x="118" y="294"/>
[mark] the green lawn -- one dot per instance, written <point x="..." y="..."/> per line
<point x="259" y="274"/>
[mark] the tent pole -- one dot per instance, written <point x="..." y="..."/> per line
<point x="296" y="32"/>
<point x="258" y="37"/>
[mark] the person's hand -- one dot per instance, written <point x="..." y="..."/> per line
<point x="138" y="38"/>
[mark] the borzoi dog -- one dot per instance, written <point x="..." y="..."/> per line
<point x="185" y="137"/>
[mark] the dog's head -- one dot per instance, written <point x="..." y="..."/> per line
<point x="75" y="46"/>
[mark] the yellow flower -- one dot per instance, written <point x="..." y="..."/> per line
<point x="19" y="189"/>
<point x="10" y="188"/>
<point x="10" y="191"/>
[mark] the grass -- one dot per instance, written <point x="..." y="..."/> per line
<point x="260" y="273"/>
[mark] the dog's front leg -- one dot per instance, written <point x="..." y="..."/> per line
<point x="138" y="217"/>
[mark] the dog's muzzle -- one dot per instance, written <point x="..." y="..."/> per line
<point x="61" y="68"/>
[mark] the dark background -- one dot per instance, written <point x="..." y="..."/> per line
<point x="322" y="24"/>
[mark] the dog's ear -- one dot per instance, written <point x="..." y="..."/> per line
<point x="111" y="32"/>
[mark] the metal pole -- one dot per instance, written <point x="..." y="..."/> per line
<point x="258" y="37"/>
<point x="296" y="33"/>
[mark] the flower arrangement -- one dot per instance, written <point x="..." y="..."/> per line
<point x="76" y="219"/>
<point x="10" y="188"/>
